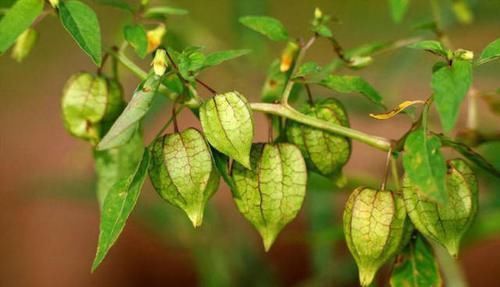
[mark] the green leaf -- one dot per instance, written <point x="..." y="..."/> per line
<point x="432" y="46"/>
<point x="116" y="165"/>
<point x="120" y="4"/>
<point x="323" y="30"/>
<point x="450" y="84"/>
<point x="227" y="122"/>
<point x="137" y="38"/>
<point x="490" y="53"/>
<point x="222" y="164"/>
<point x="307" y="69"/>
<point x="218" y="57"/>
<point x="398" y="9"/>
<point x="470" y="154"/>
<point x="163" y="11"/>
<point x="183" y="173"/>
<point x="425" y="165"/>
<point x="117" y="207"/>
<point x="125" y="126"/>
<point x="82" y="24"/>
<point x="267" y="26"/>
<point x="352" y="84"/>
<point x="16" y="20"/>
<point x="190" y="62"/>
<point x="445" y="223"/>
<point x="272" y="192"/>
<point x="418" y="267"/>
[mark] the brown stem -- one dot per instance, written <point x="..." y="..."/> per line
<point x="386" y="169"/>
<point x="309" y="94"/>
<point x="210" y="89"/>
<point x="174" y="117"/>
<point x="339" y="50"/>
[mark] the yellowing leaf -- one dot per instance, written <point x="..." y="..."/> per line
<point x="399" y="108"/>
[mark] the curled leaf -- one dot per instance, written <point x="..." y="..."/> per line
<point x="324" y="152"/>
<point x="444" y="223"/>
<point x="375" y="227"/>
<point x="183" y="173"/>
<point x="399" y="108"/>
<point x="271" y="193"/>
<point x="227" y="122"/>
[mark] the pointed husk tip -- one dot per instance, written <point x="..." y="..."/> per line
<point x="196" y="218"/>
<point x="366" y="276"/>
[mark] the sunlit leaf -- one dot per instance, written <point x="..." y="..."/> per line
<point x="16" y="20"/>
<point x="82" y="24"/>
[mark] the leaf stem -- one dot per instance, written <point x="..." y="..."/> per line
<point x="125" y="61"/>
<point x="288" y="112"/>
<point x="210" y="89"/>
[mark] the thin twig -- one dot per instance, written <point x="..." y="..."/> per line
<point x="386" y="169"/>
<point x="309" y="94"/>
<point x="210" y="89"/>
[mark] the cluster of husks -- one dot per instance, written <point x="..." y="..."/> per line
<point x="376" y="225"/>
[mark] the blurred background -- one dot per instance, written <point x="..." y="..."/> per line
<point x="49" y="217"/>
